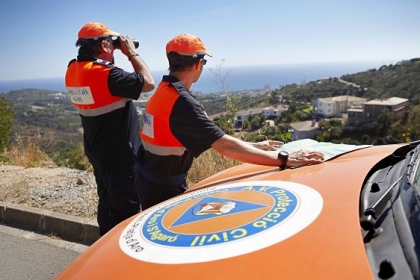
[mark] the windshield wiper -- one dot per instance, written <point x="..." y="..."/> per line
<point x="369" y="221"/>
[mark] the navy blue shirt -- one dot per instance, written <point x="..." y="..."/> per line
<point x="191" y="126"/>
<point x="111" y="140"/>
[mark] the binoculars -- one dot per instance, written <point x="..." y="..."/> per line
<point x="117" y="45"/>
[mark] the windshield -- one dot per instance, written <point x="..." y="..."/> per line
<point x="414" y="173"/>
<point x="390" y="215"/>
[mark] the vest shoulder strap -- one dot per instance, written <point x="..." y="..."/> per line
<point x="71" y="61"/>
<point x="104" y="63"/>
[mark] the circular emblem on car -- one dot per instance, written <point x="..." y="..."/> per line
<point x="220" y="222"/>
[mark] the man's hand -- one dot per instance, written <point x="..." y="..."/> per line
<point x="129" y="49"/>
<point x="302" y="157"/>
<point x="127" y="45"/>
<point x="267" y="145"/>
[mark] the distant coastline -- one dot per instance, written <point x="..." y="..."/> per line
<point x="239" y="78"/>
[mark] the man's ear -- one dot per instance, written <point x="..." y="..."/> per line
<point x="197" y="65"/>
<point x="105" y="46"/>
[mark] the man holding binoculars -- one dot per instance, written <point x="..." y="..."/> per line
<point x="103" y="94"/>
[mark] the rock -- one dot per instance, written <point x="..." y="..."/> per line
<point x="81" y="181"/>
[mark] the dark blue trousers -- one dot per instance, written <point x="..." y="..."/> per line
<point x="118" y="199"/>
<point x="151" y="193"/>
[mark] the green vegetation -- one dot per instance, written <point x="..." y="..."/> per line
<point x="6" y="120"/>
<point x="400" y="80"/>
<point x="45" y="119"/>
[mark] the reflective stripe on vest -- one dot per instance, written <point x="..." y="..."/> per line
<point x="156" y="134"/>
<point x="103" y="110"/>
<point x="87" y="88"/>
<point x="163" y="150"/>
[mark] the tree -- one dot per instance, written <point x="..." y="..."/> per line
<point x="274" y="98"/>
<point x="255" y="121"/>
<point x="384" y="122"/>
<point x="231" y="100"/>
<point x="331" y="130"/>
<point x="6" y="121"/>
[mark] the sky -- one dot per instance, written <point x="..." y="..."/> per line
<point x="39" y="36"/>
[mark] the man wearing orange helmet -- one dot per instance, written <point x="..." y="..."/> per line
<point x="176" y="129"/>
<point x="103" y="94"/>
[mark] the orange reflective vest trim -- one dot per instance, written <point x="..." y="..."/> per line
<point x="156" y="134"/>
<point x="87" y="88"/>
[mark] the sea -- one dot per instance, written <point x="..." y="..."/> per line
<point x="235" y="78"/>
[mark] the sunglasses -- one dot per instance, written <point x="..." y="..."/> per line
<point x="204" y="61"/>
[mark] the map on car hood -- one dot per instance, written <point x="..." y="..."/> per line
<point x="330" y="150"/>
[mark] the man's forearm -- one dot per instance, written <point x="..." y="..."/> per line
<point x="141" y="68"/>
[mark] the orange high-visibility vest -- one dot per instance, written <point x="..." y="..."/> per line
<point x="87" y="87"/>
<point x="156" y="135"/>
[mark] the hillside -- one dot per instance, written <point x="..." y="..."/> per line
<point x="399" y="80"/>
<point x="50" y="119"/>
<point x="46" y="117"/>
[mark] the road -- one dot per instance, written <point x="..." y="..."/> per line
<point x="28" y="255"/>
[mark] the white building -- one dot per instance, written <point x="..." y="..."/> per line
<point x="273" y="112"/>
<point x="336" y="106"/>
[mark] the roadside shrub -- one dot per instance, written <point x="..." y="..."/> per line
<point x="77" y="159"/>
<point x="26" y="152"/>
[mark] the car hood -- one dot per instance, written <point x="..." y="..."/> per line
<point x="247" y="222"/>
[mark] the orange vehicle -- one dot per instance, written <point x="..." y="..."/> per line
<point x="355" y="216"/>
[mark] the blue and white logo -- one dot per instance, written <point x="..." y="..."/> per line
<point x="241" y="217"/>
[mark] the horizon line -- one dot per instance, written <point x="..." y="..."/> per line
<point x="240" y="66"/>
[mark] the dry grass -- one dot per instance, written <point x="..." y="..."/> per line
<point x="26" y="153"/>
<point x="208" y="163"/>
